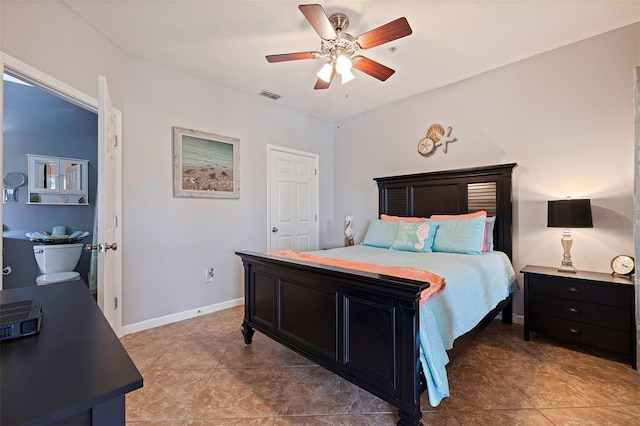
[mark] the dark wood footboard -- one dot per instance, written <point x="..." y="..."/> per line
<point x="361" y="326"/>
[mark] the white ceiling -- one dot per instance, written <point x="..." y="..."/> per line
<point x="225" y="42"/>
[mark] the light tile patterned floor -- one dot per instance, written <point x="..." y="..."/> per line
<point x="199" y="372"/>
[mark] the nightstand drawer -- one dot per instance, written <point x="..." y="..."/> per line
<point x="589" y="313"/>
<point x="576" y="332"/>
<point x="581" y="290"/>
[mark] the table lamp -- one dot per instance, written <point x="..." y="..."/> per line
<point x="569" y="213"/>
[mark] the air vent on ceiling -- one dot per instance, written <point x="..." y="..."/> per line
<point x="270" y="95"/>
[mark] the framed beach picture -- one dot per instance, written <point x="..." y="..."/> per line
<point x="205" y="165"/>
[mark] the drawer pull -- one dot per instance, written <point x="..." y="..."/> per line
<point x="573" y="310"/>
<point x="574" y="290"/>
<point x="574" y="331"/>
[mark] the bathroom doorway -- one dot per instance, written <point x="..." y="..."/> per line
<point x="36" y="121"/>
<point x="108" y="180"/>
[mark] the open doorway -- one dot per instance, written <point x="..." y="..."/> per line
<point x="35" y="121"/>
<point x="108" y="199"/>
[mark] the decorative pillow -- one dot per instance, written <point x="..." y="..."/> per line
<point x="462" y="216"/>
<point x="464" y="235"/>
<point x="488" y="233"/>
<point x="401" y="218"/>
<point x="458" y="216"/>
<point x="380" y="233"/>
<point x="415" y="236"/>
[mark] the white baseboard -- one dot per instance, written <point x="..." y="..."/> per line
<point x="191" y="313"/>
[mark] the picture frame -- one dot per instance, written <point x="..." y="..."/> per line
<point x="205" y="165"/>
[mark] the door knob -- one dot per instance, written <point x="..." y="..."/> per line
<point x="274" y="229"/>
<point x="107" y="246"/>
<point x="100" y="248"/>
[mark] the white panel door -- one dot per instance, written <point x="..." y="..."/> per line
<point x="293" y="200"/>
<point x="109" y="284"/>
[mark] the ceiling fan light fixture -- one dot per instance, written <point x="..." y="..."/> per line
<point x="343" y="64"/>
<point x="346" y="76"/>
<point x="325" y="72"/>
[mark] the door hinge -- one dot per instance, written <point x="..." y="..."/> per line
<point x="115" y="303"/>
<point x="316" y="218"/>
<point x="115" y="221"/>
<point x="315" y="172"/>
<point x="115" y="140"/>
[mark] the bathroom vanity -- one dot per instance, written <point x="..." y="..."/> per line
<point x="58" y="180"/>
<point x="74" y="371"/>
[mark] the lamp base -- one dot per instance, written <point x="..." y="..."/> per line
<point x="567" y="268"/>
<point x="567" y="242"/>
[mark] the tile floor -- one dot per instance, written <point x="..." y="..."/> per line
<point x="199" y="372"/>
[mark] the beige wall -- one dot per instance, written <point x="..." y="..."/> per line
<point x="565" y="116"/>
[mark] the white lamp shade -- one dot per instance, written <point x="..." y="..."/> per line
<point x="346" y="76"/>
<point x="325" y="72"/>
<point x="343" y="64"/>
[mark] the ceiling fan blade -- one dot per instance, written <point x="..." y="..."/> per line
<point x="317" y="17"/>
<point x="292" y="56"/>
<point x="385" y="33"/>
<point x="321" y="84"/>
<point x="373" y="68"/>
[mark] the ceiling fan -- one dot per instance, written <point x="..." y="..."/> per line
<point x="342" y="49"/>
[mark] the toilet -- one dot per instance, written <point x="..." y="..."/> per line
<point x="56" y="262"/>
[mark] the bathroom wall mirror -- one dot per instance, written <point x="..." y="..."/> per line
<point x="45" y="174"/>
<point x="58" y="180"/>
<point x="12" y="181"/>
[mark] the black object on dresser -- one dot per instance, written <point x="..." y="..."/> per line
<point x="589" y="308"/>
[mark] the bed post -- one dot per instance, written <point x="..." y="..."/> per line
<point x="409" y="363"/>
<point x="247" y="330"/>
<point x="507" y="311"/>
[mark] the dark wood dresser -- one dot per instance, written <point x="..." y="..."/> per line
<point x="73" y="372"/>
<point x="589" y="308"/>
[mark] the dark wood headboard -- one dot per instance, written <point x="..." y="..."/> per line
<point x="453" y="192"/>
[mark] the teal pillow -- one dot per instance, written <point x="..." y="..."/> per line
<point x="462" y="235"/>
<point x="381" y="233"/>
<point x="415" y="236"/>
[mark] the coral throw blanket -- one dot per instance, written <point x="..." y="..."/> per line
<point x="436" y="282"/>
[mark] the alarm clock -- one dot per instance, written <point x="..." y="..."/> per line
<point x="623" y="265"/>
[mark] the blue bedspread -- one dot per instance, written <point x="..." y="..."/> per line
<point x="475" y="285"/>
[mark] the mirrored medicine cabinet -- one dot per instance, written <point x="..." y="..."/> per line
<point x="58" y="180"/>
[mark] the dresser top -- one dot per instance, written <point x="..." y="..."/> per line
<point x="580" y="275"/>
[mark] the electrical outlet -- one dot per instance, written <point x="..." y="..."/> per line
<point x="208" y="274"/>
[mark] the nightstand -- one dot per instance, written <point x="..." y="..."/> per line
<point x="589" y="308"/>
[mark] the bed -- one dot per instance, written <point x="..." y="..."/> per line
<point x="335" y="316"/>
